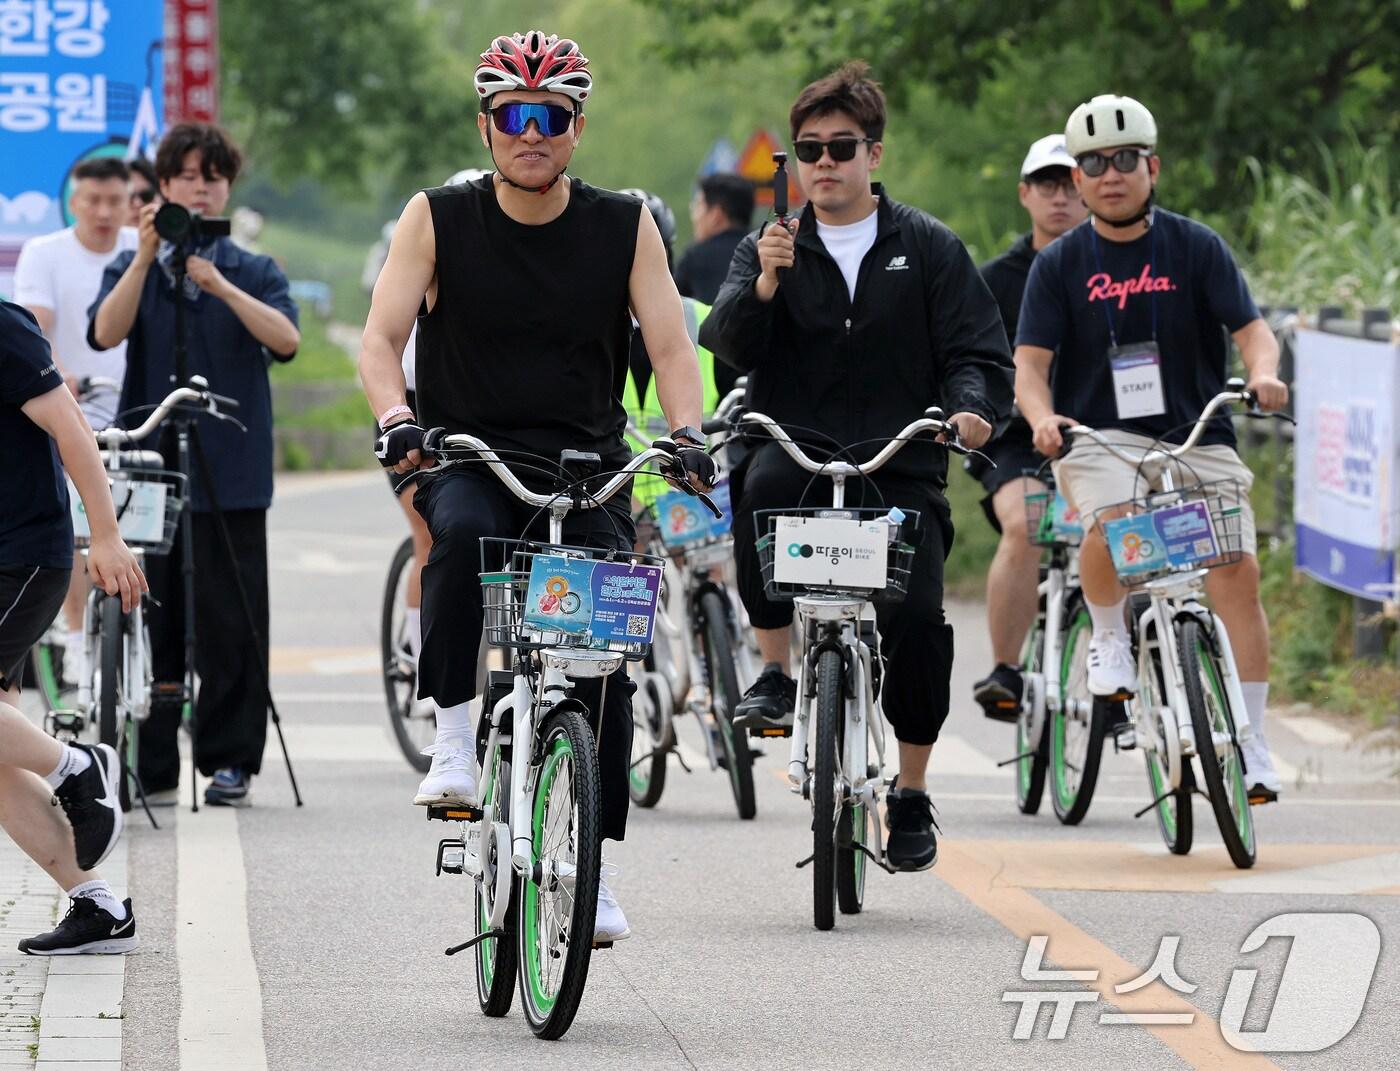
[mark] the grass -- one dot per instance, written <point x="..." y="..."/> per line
<point x="318" y="360"/>
<point x="974" y="541"/>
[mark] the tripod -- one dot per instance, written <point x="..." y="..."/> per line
<point x="188" y="445"/>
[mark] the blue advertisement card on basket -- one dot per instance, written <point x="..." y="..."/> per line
<point x="597" y="602"/>
<point x="1133" y="543"/>
<point x="683" y="520"/>
<point x="1187" y="533"/>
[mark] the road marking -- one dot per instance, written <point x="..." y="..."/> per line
<point x="342" y="743"/>
<point x="1116" y="866"/>
<point x="324" y="563"/>
<point x="220" y="994"/>
<point x="1372" y="874"/>
<point x="369" y="697"/>
<point x="955" y="757"/>
<point x="325" y="661"/>
<point x="1198" y="1043"/>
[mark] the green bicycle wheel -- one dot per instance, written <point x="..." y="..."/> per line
<point x="652" y="741"/>
<point x="1076" y="729"/>
<point x="559" y="902"/>
<point x="1032" y="762"/>
<point x="496" y="957"/>
<point x="724" y="697"/>
<point x="1216" y="749"/>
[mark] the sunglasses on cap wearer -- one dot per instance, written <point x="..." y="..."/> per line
<point x="513" y="118"/>
<point x="1095" y="164"/>
<point x="841" y="149"/>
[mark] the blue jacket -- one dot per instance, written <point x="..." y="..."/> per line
<point x="219" y="348"/>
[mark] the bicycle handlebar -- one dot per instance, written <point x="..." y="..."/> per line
<point x="441" y="448"/>
<point x="931" y="421"/>
<point x="1235" y="392"/>
<point x="724" y="412"/>
<point x="198" y="395"/>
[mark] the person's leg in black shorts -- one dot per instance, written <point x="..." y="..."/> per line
<point x="35" y="769"/>
<point x="1015" y="570"/>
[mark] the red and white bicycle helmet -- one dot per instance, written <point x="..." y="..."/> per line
<point x="534" y="60"/>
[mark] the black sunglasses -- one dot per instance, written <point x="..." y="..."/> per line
<point x="145" y="196"/>
<point x="841" y="149"/>
<point x="1095" y="164"/>
<point x="1049" y="185"/>
<point x="513" y="118"/>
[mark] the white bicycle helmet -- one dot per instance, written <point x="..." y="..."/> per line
<point x="1107" y="122"/>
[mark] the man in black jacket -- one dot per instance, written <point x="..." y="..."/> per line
<point x="849" y="325"/>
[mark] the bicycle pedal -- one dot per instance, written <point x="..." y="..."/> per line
<point x="597" y="945"/>
<point x="66" y="721"/>
<point x="1261" y="797"/>
<point x="451" y="856"/>
<point x="1120" y="696"/>
<point x="766" y="732"/>
<point x="453" y="812"/>
<point x="1124" y="738"/>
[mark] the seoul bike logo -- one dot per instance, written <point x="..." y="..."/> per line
<point x="1318" y="999"/>
<point x="835" y="554"/>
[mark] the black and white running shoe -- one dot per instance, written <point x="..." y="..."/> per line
<point x="93" y="807"/>
<point x="87" y="930"/>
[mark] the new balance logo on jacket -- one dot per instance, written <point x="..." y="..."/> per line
<point x="897" y="264"/>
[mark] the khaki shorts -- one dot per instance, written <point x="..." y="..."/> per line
<point x="1093" y="479"/>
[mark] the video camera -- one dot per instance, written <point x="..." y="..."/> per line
<point x="186" y="229"/>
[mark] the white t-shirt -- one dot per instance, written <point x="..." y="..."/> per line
<point x="56" y="271"/>
<point x="848" y="245"/>
<point x="410" y="360"/>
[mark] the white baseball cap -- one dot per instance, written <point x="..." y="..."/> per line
<point x="1049" y="151"/>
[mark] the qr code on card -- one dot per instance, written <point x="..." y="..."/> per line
<point x="637" y="625"/>
<point x="1204" y="548"/>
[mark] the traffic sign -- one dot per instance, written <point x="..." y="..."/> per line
<point x="756" y="165"/>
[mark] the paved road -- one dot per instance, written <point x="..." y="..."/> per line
<point x="312" y="938"/>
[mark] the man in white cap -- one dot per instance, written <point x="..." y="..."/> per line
<point x="1048" y="195"/>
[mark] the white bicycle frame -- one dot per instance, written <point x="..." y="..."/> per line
<point x="865" y="722"/>
<point x="1043" y="691"/>
<point x="1173" y="597"/>
<point x="533" y="693"/>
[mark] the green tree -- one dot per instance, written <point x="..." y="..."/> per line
<point x="1227" y="79"/>
<point x="340" y="90"/>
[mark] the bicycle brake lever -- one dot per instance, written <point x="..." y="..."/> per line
<point x="974" y="453"/>
<point x="709" y="502"/>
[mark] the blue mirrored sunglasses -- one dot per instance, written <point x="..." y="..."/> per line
<point x="513" y="118"/>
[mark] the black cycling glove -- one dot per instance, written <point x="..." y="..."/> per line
<point x="393" y="445"/>
<point x="692" y="459"/>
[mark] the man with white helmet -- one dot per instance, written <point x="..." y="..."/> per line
<point x="1146" y="287"/>
<point x="524" y="280"/>
<point x="1048" y="195"/>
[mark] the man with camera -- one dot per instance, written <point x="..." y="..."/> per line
<point x="238" y="317"/>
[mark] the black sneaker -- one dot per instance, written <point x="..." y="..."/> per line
<point x="92" y="805"/>
<point x="999" y="693"/>
<point x="86" y="930"/>
<point x="909" y="819"/>
<point x="228" y="789"/>
<point x="771" y="699"/>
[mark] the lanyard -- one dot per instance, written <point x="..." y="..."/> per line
<point x="1151" y="266"/>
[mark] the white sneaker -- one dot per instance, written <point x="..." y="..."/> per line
<point x="1111" y="668"/>
<point x="452" y="776"/>
<point x="1259" y="774"/>
<point x="611" y="924"/>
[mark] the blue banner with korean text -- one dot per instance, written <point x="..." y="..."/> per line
<point x="78" y="79"/>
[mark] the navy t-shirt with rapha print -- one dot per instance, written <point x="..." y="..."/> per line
<point x="1183" y="267"/>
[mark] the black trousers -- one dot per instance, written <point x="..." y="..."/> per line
<point x="231" y="708"/>
<point x="915" y="639"/>
<point x="461" y="507"/>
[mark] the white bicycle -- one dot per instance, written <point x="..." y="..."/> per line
<point x="533" y="846"/>
<point x="833" y="562"/>
<point x="1189" y="702"/>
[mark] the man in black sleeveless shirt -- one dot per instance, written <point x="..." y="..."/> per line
<point x="521" y="283"/>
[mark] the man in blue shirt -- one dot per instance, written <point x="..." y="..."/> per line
<point x="1121" y="329"/>
<point x="238" y="318"/>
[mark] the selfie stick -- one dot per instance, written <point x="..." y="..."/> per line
<point x="780" y="188"/>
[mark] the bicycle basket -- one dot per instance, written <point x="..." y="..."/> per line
<point x="864" y="553"/>
<point x="1050" y="519"/>
<point x="148" y="504"/>
<point x="1176" y="531"/>
<point x="538" y="595"/>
